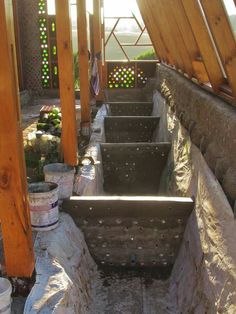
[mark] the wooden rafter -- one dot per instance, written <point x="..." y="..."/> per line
<point x="154" y="36"/>
<point x="178" y="37"/>
<point x="14" y="209"/>
<point x="165" y="28"/>
<point x="189" y="40"/>
<point x="204" y="42"/>
<point x="66" y="82"/>
<point x="223" y="36"/>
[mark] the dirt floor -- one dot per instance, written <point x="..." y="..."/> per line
<point x="130" y="295"/>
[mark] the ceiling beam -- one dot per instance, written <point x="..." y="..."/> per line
<point x="223" y="36"/>
<point x="204" y="42"/>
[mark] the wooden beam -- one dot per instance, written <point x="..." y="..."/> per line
<point x="66" y="82"/>
<point x="152" y="31"/>
<point x="156" y="28"/>
<point x="200" y="71"/>
<point x="169" y="9"/>
<point x="163" y="24"/>
<point x="189" y="40"/>
<point x="14" y="209"/>
<point x="97" y="41"/>
<point x="83" y="62"/>
<point x="204" y="42"/>
<point x="223" y="36"/>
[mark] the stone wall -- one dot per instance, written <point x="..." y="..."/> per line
<point x="210" y="121"/>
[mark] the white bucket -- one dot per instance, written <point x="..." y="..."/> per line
<point x="5" y="296"/>
<point x="43" y="199"/>
<point x="63" y="175"/>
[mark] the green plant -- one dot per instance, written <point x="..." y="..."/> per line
<point x="146" y="55"/>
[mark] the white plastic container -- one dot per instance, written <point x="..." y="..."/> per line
<point x="5" y="296"/>
<point x="63" y="175"/>
<point x="43" y="199"/>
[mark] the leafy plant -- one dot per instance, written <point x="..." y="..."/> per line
<point x="147" y="55"/>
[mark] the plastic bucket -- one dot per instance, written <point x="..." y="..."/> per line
<point x="43" y="199"/>
<point x="63" y="175"/>
<point x="5" y="296"/>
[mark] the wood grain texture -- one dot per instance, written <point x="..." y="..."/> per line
<point x="97" y="41"/>
<point x="223" y="36"/>
<point x="14" y="210"/>
<point x="204" y="42"/>
<point x="153" y="33"/>
<point x="66" y="82"/>
<point x="83" y="61"/>
<point x="162" y="20"/>
<point x="178" y="36"/>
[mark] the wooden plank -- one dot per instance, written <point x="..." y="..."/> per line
<point x="223" y="36"/>
<point x="177" y="36"/>
<point x="189" y="40"/>
<point x="97" y="41"/>
<point x="204" y="42"/>
<point x="66" y="82"/>
<point x="200" y="71"/>
<point x="153" y="34"/>
<point x="83" y="62"/>
<point x="163" y="23"/>
<point x="14" y="210"/>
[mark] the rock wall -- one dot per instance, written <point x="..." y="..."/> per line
<point x="210" y="121"/>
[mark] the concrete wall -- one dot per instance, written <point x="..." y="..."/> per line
<point x="210" y="121"/>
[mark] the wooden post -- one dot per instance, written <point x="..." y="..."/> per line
<point x="66" y="82"/>
<point x="14" y="209"/>
<point x="83" y="63"/>
<point x="97" y="41"/>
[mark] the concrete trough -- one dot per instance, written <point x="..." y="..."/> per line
<point x="133" y="168"/>
<point x="132" y="232"/>
<point x="130" y="108"/>
<point x="130" y="129"/>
